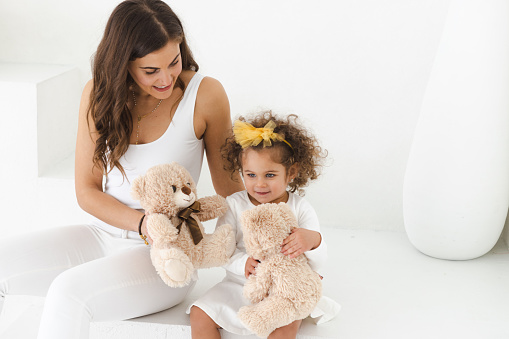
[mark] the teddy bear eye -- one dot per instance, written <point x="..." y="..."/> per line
<point x="188" y="184"/>
<point x="174" y="188"/>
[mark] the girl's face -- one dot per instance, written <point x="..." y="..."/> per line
<point x="156" y="72"/>
<point x="265" y="179"/>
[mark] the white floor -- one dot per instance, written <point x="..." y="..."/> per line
<point x="386" y="288"/>
<point x="390" y="290"/>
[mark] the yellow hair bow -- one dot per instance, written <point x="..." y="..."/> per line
<point x="246" y="135"/>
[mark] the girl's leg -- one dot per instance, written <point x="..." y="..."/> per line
<point x="29" y="263"/>
<point x="120" y="286"/>
<point x="202" y="326"/>
<point x="285" y="332"/>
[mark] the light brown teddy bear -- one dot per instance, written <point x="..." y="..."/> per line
<point x="168" y="195"/>
<point x="282" y="290"/>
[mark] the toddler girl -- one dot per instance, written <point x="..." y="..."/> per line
<point x="276" y="157"/>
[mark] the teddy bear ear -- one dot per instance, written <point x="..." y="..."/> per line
<point x="138" y="188"/>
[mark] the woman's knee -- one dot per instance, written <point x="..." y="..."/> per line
<point x="67" y="290"/>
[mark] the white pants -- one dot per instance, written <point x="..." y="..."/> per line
<point x="87" y="274"/>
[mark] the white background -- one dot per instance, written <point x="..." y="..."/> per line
<point x="354" y="70"/>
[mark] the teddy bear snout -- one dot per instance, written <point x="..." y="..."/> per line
<point x="186" y="190"/>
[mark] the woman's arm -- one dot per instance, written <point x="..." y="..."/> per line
<point x="212" y="122"/>
<point x="88" y="178"/>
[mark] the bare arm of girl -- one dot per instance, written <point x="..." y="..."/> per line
<point x="212" y="122"/>
<point x="88" y="178"/>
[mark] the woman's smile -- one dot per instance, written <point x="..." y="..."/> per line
<point x="162" y="88"/>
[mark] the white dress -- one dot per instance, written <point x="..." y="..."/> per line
<point x="223" y="300"/>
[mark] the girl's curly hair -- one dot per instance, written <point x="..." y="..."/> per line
<point x="305" y="150"/>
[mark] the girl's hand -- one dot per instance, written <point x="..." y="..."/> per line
<point x="250" y="267"/>
<point x="300" y="241"/>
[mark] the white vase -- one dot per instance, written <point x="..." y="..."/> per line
<point x="456" y="188"/>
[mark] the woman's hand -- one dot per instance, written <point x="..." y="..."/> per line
<point x="300" y="241"/>
<point x="250" y="267"/>
<point x="144" y="229"/>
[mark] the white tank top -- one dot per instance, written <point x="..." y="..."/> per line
<point x="178" y="143"/>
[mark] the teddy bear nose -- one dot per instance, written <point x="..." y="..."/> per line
<point x="186" y="190"/>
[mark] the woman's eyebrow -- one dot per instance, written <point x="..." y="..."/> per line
<point x="175" y="58"/>
<point x="156" y="68"/>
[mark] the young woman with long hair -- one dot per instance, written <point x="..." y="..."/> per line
<point x="145" y="105"/>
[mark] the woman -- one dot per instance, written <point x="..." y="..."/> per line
<point x="146" y="105"/>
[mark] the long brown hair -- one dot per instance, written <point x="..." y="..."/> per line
<point x="134" y="29"/>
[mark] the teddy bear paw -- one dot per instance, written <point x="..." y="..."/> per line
<point x="227" y="236"/>
<point x="176" y="270"/>
<point x="252" y="321"/>
<point x="173" y="266"/>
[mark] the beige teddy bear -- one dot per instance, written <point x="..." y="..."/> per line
<point x="282" y="290"/>
<point x="168" y="195"/>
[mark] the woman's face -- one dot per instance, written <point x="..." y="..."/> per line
<point x="156" y="72"/>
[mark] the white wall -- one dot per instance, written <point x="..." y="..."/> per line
<point x="354" y="70"/>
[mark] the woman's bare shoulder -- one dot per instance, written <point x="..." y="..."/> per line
<point x="85" y="97"/>
<point x="211" y="92"/>
<point x="88" y="86"/>
<point x="210" y="88"/>
<point x="212" y="108"/>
